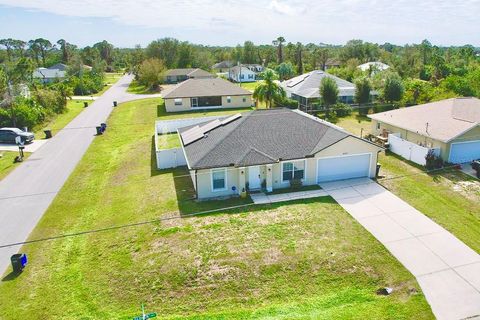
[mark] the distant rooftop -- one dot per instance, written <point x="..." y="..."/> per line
<point x="205" y="87"/>
<point x="308" y="85"/>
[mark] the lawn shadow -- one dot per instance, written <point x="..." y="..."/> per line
<point x="11" y="276"/>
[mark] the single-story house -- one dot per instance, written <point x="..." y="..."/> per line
<point x="267" y="149"/>
<point x="374" y="66"/>
<point x="306" y="88"/>
<point x="332" y="63"/>
<point x="222" y="67"/>
<point x="206" y="93"/>
<point x="179" y="75"/>
<point x="451" y="126"/>
<point x="48" y="75"/>
<point x="242" y="74"/>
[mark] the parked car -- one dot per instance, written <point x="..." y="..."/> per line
<point x="8" y="135"/>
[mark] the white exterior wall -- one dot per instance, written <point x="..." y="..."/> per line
<point x="236" y="102"/>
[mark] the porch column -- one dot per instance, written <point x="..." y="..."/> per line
<point x="269" y="177"/>
<point x="241" y="179"/>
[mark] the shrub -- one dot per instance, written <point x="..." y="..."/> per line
<point x="342" y="109"/>
<point x="22" y="113"/>
<point x="296" y="183"/>
<point x="52" y="101"/>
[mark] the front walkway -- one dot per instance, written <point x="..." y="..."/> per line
<point x="467" y="169"/>
<point x="262" y="198"/>
<point x="447" y="270"/>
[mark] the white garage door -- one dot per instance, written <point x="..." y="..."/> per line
<point x="464" y="152"/>
<point x="340" y="168"/>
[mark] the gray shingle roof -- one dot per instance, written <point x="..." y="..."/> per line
<point x="260" y="137"/>
<point x="44" y="73"/>
<point x="190" y="72"/>
<point x="223" y="65"/>
<point x="308" y="85"/>
<point x="205" y="88"/>
<point x="447" y="119"/>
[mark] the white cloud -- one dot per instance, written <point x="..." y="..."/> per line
<point x="298" y="20"/>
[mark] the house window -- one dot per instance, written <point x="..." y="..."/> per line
<point x="244" y="99"/>
<point x="178" y="102"/>
<point x="194" y="102"/>
<point x="293" y="170"/>
<point x="242" y="76"/>
<point x="378" y="125"/>
<point x="250" y="76"/>
<point x="229" y="99"/>
<point x="219" y="179"/>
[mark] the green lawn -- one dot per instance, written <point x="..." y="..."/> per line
<point x="7" y="163"/>
<point x="110" y="79"/>
<point x="138" y="88"/>
<point x="449" y="197"/>
<point x="59" y="121"/>
<point x="298" y="260"/>
<point x="251" y="85"/>
<point x="168" y="141"/>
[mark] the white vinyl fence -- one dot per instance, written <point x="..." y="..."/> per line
<point x="172" y="158"/>
<point x="409" y="150"/>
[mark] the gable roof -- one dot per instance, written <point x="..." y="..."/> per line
<point x="223" y="65"/>
<point x="189" y="72"/>
<point x="261" y="137"/>
<point x="308" y="85"/>
<point x="44" y="73"/>
<point x="59" y="66"/>
<point x="442" y="120"/>
<point x="204" y="87"/>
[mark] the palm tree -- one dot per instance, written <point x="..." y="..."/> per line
<point x="268" y="91"/>
<point x="279" y="42"/>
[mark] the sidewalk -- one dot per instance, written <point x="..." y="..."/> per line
<point x="262" y="198"/>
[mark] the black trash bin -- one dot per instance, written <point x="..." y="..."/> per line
<point x="48" y="133"/>
<point x="99" y="130"/>
<point x="104" y="126"/>
<point x="19" y="261"/>
<point x="378" y="169"/>
<point x="114" y="103"/>
<point x="85" y="104"/>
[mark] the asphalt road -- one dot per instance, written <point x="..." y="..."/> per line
<point x="27" y="192"/>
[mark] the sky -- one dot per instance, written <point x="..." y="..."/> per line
<point x="126" y="23"/>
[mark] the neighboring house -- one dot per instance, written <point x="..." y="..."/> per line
<point x="332" y="63"/>
<point x="222" y="67"/>
<point x="51" y="74"/>
<point x="179" y="75"/>
<point x="257" y="68"/>
<point x="242" y="74"/>
<point x="266" y="149"/>
<point x="374" y="66"/>
<point x="306" y="88"/>
<point x="206" y="93"/>
<point x="451" y="126"/>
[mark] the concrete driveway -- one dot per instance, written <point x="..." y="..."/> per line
<point x="27" y="192"/>
<point x="447" y="270"/>
<point x="32" y="147"/>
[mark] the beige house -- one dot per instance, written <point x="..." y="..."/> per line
<point x="451" y="126"/>
<point x="268" y="149"/>
<point x="207" y="93"/>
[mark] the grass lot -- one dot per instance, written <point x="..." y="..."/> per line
<point x="449" y="197"/>
<point x="297" y="260"/>
<point x="138" y="88"/>
<point x="168" y="141"/>
<point x="59" y="121"/>
<point x="7" y="163"/>
<point x="251" y="85"/>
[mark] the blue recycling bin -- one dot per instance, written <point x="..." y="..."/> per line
<point x="19" y="261"/>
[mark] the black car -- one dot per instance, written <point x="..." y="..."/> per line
<point x="8" y="135"/>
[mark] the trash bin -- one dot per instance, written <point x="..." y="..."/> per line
<point x="104" y="126"/>
<point x="114" y="103"/>
<point x="378" y="169"/>
<point x="99" y="130"/>
<point x="48" y="133"/>
<point x="19" y="261"/>
<point x="85" y="104"/>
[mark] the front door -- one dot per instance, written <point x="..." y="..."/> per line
<point x="254" y="181"/>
